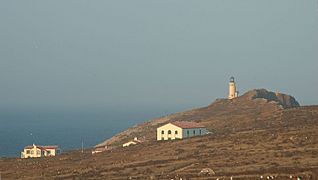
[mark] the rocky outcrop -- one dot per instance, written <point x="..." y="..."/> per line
<point x="284" y="100"/>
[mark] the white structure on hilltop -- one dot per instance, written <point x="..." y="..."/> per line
<point x="180" y="130"/>
<point x="40" y="151"/>
<point x="232" y="89"/>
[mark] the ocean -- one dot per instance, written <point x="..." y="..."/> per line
<point x="67" y="129"/>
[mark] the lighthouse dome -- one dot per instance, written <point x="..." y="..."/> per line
<point x="232" y="79"/>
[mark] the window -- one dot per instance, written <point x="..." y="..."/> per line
<point x="162" y="138"/>
<point x="32" y="152"/>
<point x="176" y="132"/>
<point x="38" y="152"/>
<point x="188" y="133"/>
<point x="48" y="153"/>
<point x="193" y="132"/>
<point x="200" y="132"/>
<point x="169" y="138"/>
<point x="28" y="151"/>
<point x="162" y="132"/>
<point x="169" y="132"/>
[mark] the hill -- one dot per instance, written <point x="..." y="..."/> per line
<point x="223" y="116"/>
<point x="258" y="134"/>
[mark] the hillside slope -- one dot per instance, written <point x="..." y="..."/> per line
<point x="249" y="111"/>
<point x="273" y="142"/>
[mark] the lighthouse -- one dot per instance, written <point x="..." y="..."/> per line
<point x="232" y="89"/>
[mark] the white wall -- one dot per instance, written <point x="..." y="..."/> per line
<point x="129" y="143"/>
<point x="53" y="152"/>
<point x="34" y="152"/>
<point x="165" y="135"/>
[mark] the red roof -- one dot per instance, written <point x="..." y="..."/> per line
<point x="187" y="124"/>
<point x="50" y="147"/>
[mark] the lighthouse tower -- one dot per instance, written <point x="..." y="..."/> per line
<point x="232" y="89"/>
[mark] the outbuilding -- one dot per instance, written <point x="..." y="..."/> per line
<point x="100" y="149"/>
<point x="180" y="130"/>
<point x="133" y="142"/>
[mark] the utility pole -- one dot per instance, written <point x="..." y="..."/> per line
<point x="82" y="147"/>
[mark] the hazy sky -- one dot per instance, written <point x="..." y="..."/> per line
<point x="153" y="53"/>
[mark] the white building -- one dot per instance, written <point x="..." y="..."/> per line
<point x="133" y="142"/>
<point x="40" y="151"/>
<point x="100" y="149"/>
<point x="180" y="130"/>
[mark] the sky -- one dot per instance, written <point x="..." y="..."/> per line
<point x="141" y="54"/>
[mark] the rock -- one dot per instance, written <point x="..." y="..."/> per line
<point x="284" y="100"/>
<point x="207" y="171"/>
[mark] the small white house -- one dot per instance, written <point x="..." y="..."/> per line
<point x="133" y="142"/>
<point x="35" y="151"/>
<point x="180" y="130"/>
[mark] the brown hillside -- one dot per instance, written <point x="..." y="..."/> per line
<point x="250" y="111"/>
<point x="272" y="142"/>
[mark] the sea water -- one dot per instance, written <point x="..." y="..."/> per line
<point x="67" y="129"/>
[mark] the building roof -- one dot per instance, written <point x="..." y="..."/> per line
<point x="41" y="147"/>
<point x="28" y="147"/>
<point x="50" y="147"/>
<point x="187" y="124"/>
